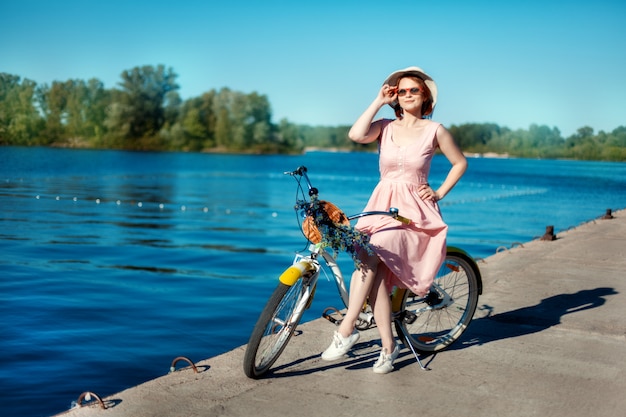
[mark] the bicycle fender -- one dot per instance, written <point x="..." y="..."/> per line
<point x="294" y="272"/>
<point x="473" y="264"/>
<point x="454" y="249"/>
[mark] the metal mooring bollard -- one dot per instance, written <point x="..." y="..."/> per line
<point x="549" y="235"/>
<point x="88" y="396"/>
<point x="608" y="215"/>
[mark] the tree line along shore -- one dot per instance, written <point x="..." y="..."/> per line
<point x="145" y="112"/>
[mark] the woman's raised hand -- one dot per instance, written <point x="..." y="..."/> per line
<point x="388" y="94"/>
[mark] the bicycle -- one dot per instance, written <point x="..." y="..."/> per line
<point x="426" y="325"/>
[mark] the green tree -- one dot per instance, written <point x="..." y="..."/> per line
<point x="194" y="129"/>
<point x="614" y="147"/>
<point x="222" y="129"/>
<point x="52" y="102"/>
<point x="289" y="135"/>
<point x="243" y="121"/>
<point x="20" y="122"/>
<point x="581" y="145"/>
<point x="476" y="136"/>
<point x="138" y="113"/>
<point x="258" y="119"/>
<point x="542" y="142"/>
<point x="96" y="101"/>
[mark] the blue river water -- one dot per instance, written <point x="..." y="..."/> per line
<point x="114" y="263"/>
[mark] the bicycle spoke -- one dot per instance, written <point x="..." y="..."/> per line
<point x="275" y="327"/>
<point x="439" y="319"/>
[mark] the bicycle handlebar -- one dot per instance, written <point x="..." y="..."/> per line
<point x="302" y="172"/>
<point x="393" y="212"/>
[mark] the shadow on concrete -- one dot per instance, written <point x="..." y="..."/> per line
<point x="531" y="319"/>
<point x="359" y="357"/>
<point x="491" y="328"/>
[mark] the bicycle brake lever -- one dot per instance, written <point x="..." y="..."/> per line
<point x="298" y="171"/>
<point x="403" y="219"/>
<point x="394" y="212"/>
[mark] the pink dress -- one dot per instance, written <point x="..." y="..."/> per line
<point x="412" y="253"/>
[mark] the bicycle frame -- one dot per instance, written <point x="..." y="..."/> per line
<point x="309" y="266"/>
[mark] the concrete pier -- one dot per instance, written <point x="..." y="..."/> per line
<point x="548" y="339"/>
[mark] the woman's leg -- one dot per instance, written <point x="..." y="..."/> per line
<point x="360" y="287"/>
<point x="381" y="306"/>
<point x="345" y="337"/>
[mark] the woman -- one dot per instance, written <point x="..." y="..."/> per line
<point x="407" y="256"/>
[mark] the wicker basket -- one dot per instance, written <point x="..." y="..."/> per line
<point x="332" y="216"/>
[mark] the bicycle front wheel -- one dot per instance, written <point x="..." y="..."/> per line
<point x="432" y="323"/>
<point x="275" y="326"/>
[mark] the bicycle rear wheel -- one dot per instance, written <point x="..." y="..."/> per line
<point x="432" y="323"/>
<point x="275" y="326"/>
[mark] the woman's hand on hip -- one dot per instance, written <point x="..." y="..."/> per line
<point x="427" y="194"/>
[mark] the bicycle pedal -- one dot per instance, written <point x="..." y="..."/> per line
<point x="330" y="318"/>
<point x="433" y="298"/>
<point x="409" y="317"/>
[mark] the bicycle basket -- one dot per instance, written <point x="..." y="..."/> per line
<point x="327" y="214"/>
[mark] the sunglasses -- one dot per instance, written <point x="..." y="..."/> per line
<point x="414" y="91"/>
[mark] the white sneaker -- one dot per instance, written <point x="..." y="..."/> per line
<point x="340" y="345"/>
<point x="384" y="364"/>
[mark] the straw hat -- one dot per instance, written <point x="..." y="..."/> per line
<point x="417" y="72"/>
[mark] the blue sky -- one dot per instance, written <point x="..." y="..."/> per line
<point x="514" y="63"/>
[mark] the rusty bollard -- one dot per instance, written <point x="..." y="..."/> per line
<point x="549" y="235"/>
<point x="608" y="215"/>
